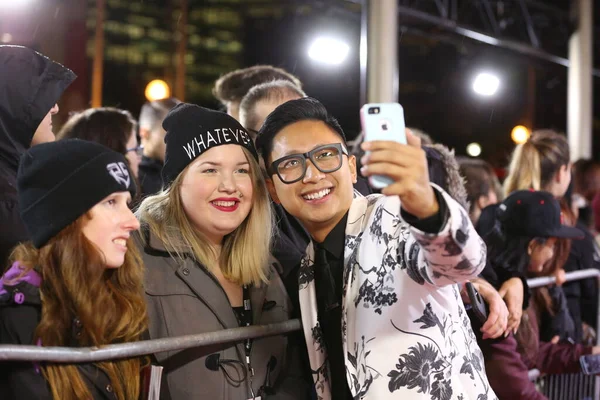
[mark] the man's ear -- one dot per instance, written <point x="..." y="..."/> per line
<point x="272" y="191"/>
<point x="352" y="166"/>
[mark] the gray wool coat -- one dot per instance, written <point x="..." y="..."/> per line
<point x="183" y="298"/>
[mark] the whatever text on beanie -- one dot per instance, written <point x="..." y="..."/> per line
<point x="191" y="130"/>
<point x="59" y="182"/>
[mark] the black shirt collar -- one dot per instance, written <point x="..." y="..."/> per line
<point x="335" y="240"/>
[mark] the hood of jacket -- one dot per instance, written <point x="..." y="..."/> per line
<point x="444" y="172"/>
<point x="30" y="86"/>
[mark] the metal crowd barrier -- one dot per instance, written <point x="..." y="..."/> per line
<point x="115" y="351"/>
<point x="569" y="386"/>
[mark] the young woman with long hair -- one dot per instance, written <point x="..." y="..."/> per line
<point x="543" y="163"/>
<point x="78" y="283"/>
<point x="206" y="241"/>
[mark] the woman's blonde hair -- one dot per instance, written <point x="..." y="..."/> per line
<point x="534" y="164"/>
<point x="245" y="252"/>
<point x="109" y="302"/>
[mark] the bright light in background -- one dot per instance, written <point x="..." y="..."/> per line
<point x="474" y="149"/>
<point x="328" y="51"/>
<point x="520" y="134"/>
<point x="157" y="90"/>
<point x="486" y="84"/>
<point x="6" y="38"/>
<point x="14" y="4"/>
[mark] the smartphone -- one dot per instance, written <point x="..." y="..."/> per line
<point x="382" y="121"/>
<point x="590" y="364"/>
<point x="477" y="304"/>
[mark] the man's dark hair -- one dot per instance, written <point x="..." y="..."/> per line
<point x="154" y="112"/>
<point x="108" y="126"/>
<point x="480" y="178"/>
<point x="234" y="85"/>
<point x="275" y="90"/>
<point x="305" y="109"/>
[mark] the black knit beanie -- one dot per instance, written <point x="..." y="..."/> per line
<point x="60" y="181"/>
<point x="191" y="130"/>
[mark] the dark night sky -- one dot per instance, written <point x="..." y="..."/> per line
<point x="435" y="82"/>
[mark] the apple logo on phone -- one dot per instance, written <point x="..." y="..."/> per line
<point x="384" y="125"/>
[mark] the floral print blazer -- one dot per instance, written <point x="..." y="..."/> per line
<point x="405" y="331"/>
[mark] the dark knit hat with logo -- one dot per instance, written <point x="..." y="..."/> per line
<point x="192" y="130"/>
<point x="60" y="181"/>
<point x="534" y="214"/>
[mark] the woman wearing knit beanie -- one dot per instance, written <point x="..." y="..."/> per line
<point x="206" y="239"/>
<point x="78" y="283"/>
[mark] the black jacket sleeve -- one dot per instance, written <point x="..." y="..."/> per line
<point x="20" y="380"/>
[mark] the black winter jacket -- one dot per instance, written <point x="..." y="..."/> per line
<point x="20" y="313"/>
<point x="30" y="85"/>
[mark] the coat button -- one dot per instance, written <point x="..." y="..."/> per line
<point x="77" y="323"/>
<point x="186" y="271"/>
<point x="109" y="388"/>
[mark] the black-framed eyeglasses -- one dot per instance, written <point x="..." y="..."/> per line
<point x="139" y="150"/>
<point x="292" y="168"/>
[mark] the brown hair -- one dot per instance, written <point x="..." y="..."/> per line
<point x="108" y="126"/>
<point x="583" y="178"/>
<point x="480" y="179"/>
<point x="536" y="162"/>
<point x="233" y="86"/>
<point x="108" y="302"/>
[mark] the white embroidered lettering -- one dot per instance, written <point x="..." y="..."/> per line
<point x="235" y="134"/>
<point x="200" y="143"/>
<point x="210" y="137"/>
<point x="226" y="136"/>
<point x="189" y="150"/>
<point x="119" y="172"/>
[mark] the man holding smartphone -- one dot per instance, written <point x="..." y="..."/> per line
<point x="381" y="312"/>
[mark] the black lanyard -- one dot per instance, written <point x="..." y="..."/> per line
<point x="247" y="321"/>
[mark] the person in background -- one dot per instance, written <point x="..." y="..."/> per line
<point x="30" y="87"/>
<point x="206" y="242"/>
<point x="483" y="187"/>
<point x="586" y="184"/>
<point x="152" y="139"/>
<point x="78" y="282"/>
<point x="544" y="163"/>
<point x="522" y="242"/>
<point x="262" y="99"/>
<point x="375" y="263"/>
<point x="231" y="88"/>
<point x="111" y="127"/>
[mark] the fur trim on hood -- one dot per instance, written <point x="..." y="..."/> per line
<point x="444" y="171"/>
